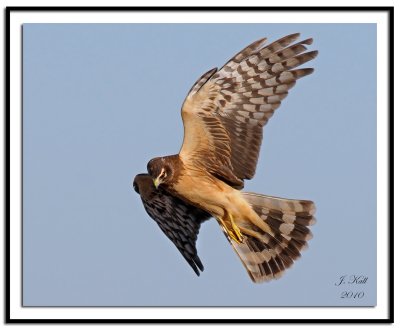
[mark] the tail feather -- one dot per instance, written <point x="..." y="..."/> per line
<point x="267" y="256"/>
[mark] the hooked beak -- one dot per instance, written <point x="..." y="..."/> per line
<point x="156" y="182"/>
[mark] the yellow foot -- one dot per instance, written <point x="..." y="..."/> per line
<point x="235" y="234"/>
<point x="233" y="231"/>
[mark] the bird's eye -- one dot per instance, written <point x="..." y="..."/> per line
<point x="163" y="174"/>
<point x="136" y="188"/>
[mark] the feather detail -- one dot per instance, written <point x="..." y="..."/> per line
<point x="267" y="256"/>
<point x="223" y="118"/>
<point x="223" y="115"/>
<point x="178" y="220"/>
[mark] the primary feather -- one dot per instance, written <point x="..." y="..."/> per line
<point x="225" y="111"/>
<point x="178" y="220"/>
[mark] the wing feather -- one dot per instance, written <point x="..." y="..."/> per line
<point x="225" y="111"/>
<point x="178" y="220"/>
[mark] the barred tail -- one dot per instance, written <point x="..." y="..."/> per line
<point x="267" y="256"/>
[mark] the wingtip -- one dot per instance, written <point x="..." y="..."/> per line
<point x="313" y="53"/>
<point x="262" y="40"/>
<point x="199" y="263"/>
<point x="196" y="264"/>
<point x="259" y="43"/>
<point x="293" y="36"/>
<point x="310" y="70"/>
<point x="308" y="41"/>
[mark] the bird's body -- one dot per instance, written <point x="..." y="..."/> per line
<point x="219" y="199"/>
<point x="223" y="116"/>
<point x="210" y="193"/>
<point x="205" y="191"/>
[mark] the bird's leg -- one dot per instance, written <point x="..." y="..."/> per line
<point x="233" y="231"/>
<point x="235" y="234"/>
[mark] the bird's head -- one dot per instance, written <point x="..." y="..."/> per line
<point x="160" y="170"/>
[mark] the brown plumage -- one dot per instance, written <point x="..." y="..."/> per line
<point x="223" y="116"/>
<point x="178" y="220"/>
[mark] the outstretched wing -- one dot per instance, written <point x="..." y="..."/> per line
<point x="225" y="111"/>
<point x="179" y="220"/>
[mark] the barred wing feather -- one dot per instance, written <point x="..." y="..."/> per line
<point x="178" y="220"/>
<point x="225" y="111"/>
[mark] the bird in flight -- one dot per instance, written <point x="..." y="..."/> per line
<point x="223" y="116"/>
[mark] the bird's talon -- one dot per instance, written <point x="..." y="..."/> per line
<point x="235" y="234"/>
<point x="238" y="234"/>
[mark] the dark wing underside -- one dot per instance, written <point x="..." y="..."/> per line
<point x="179" y="220"/>
<point x="225" y="111"/>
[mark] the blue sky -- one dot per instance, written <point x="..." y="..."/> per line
<point x="101" y="100"/>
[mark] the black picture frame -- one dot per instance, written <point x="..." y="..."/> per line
<point x="389" y="10"/>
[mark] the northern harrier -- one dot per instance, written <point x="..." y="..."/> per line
<point x="223" y="117"/>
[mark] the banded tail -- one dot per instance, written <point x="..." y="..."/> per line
<point x="265" y="256"/>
